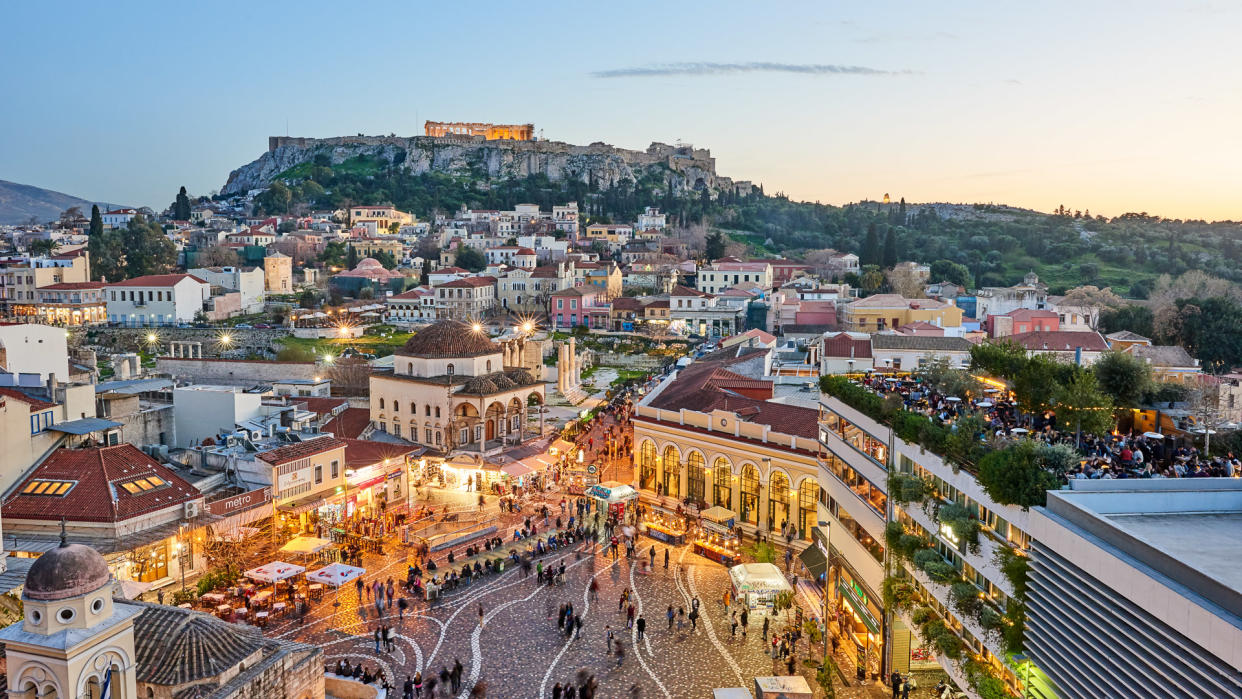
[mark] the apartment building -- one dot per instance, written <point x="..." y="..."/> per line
<point x="466" y="298"/>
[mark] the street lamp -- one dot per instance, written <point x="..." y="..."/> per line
<point x="180" y="548"/>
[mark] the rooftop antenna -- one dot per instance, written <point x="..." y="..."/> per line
<point x="64" y="538"/>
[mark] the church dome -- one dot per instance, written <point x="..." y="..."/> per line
<point x="448" y="339"/>
<point x="368" y="263"/>
<point x="71" y="570"/>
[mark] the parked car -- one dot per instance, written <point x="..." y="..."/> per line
<point x="244" y="326"/>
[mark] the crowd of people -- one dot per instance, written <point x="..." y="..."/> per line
<point x="1131" y="454"/>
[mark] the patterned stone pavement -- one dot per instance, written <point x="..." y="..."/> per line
<point x="519" y="652"/>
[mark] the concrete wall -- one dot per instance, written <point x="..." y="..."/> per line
<point x="34" y="349"/>
<point x="203" y="411"/>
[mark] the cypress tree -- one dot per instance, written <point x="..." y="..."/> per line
<point x="890" y="248"/>
<point x="181" y="207"/>
<point x="96" y="221"/>
<point x="871" y="248"/>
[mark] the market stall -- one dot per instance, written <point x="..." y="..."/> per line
<point x="671" y="529"/>
<point x="616" y="498"/>
<point x="717" y="540"/>
<point x="758" y="584"/>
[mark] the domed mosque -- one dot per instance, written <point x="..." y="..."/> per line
<point x="77" y="640"/>
<point x="453" y="388"/>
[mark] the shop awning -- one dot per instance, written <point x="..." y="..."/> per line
<point x="859" y="606"/>
<point x="305" y="504"/>
<point x="517" y="469"/>
<point x="814" y="560"/>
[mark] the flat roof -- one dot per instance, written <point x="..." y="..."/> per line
<point x="1205" y="541"/>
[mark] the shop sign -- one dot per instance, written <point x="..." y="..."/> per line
<point x="237" y="503"/>
<point x="819" y="535"/>
<point x="598" y="491"/>
<point x="591" y="469"/>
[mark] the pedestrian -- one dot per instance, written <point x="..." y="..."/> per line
<point x="608" y="636"/>
<point x="629" y="617"/>
<point x="681" y="617"/>
<point x="665" y="559"/>
<point x="480" y="614"/>
<point x="895" y="681"/>
<point x="376" y="634"/>
<point x="651" y="555"/>
<point x="402" y="604"/>
<point x="418" y="685"/>
<point x="766" y="619"/>
<point x="694" y="619"/>
<point x="642" y="626"/>
<point x="671" y="614"/>
<point x="745" y="621"/>
<point x="557" y="691"/>
<point x="455" y="675"/>
<point x="621" y="602"/>
<point x="407" y="689"/>
<point x="577" y="625"/>
<point x="620" y="654"/>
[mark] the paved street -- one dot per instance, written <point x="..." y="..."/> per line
<point x="519" y="652"/>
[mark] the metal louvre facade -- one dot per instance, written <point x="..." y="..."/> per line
<point x="1094" y="643"/>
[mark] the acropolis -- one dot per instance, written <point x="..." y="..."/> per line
<point x="490" y="132"/>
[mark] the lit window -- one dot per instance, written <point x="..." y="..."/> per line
<point x="52" y="488"/>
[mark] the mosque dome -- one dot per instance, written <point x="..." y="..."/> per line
<point x="69" y="570"/>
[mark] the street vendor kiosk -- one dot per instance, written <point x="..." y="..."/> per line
<point x="578" y="477"/>
<point x="661" y="526"/>
<point x="716" y="539"/>
<point x="614" y="498"/>
<point x="758" y="584"/>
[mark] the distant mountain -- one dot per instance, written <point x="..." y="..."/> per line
<point x="18" y="202"/>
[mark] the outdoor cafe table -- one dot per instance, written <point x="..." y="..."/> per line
<point x="224" y="609"/>
<point x="214" y="598"/>
<point x="261" y="597"/>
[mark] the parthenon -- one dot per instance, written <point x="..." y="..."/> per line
<point x="490" y="132"/>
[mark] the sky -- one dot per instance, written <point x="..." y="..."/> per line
<point x="1105" y="106"/>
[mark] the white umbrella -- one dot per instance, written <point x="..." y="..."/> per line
<point x="1202" y="430"/>
<point x="1019" y="430"/>
<point x="130" y="589"/>
<point x="1153" y="435"/>
<point x="305" y="545"/>
<point x="335" y="575"/>
<point x="954" y="399"/>
<point x="991" y="390"/>
<point x="274" y="572"/>
<point x="984" y="404"/>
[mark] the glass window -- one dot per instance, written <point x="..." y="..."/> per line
<point x="778" y="501"/>
<point x="695" y="477"/>
<point x="647" y="466"/>
<point x="750" y="494"/>
<point x="672" y="472"/>
<point x="808" y="494"/>
<point x="722" y="484"/>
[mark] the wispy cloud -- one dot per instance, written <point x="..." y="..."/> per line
<point x="697" y="68"/>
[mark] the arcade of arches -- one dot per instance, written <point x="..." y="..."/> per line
<point x="766" y="496"/>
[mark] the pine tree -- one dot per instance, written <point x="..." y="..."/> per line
<point x="715" y="247"/>
<point x="890" y="248"/>
<point x="871" y="248"/>
<point x="351" y="257"/>
<point x="96" y="221"/>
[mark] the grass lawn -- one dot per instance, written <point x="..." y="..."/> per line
<point x="378" y="345"/>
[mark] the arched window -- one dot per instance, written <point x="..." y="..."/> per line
<point x="672" y="472"/>
<point x="451" y="369"/>
<point x="722" y="483"/>
<point x="489" y="366"/>
<point x="396" y="406"/>
<point x="413" y="408"/>
<point x="778" y="501"/>
<point x="808" y="496"/>
<point x="381" y="403"/>
<point x="695" y="477"/>
<point x="647" y="466"/>
<point x="750" y="494"/>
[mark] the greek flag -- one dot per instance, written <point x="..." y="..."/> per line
<point x="106" y="692"/>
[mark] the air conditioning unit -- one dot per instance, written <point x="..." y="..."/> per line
<point x="230" y="441"/>
<point x="191" y="509"/>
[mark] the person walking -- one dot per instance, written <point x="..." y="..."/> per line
<point x="671" y="614"/>
<point x="480" y="614"/>
<point x="376" y="634"/>
<point x="745" y="621"/>
<point x="593" y="589"/>
<point x="642" y="627"/>
<point x="620" y="654"/>
<point x="665" y="559"/>
<point x="455" y="676"/>
<point x="609" y="634"/>
<point x="418" y="685"/>
<point x="766" y="619"/>
<point x="895" y="681"/>
<point x="694" y="619"/>
<point x="651" y="555"/>
<point x="629" y="617"/>
<point x="621" y="601"/>
<point x="733" y="623"/>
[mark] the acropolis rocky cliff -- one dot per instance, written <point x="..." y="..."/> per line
<point x="690" y="168"/>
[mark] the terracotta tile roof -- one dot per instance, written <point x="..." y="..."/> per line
<point x="35" y="404"/>
<point x="450" y="270"/>
<point x="362" y="452"/>
<point x="468" y="282"/>
<point x="157" y="280"/>
<point x="320" y="405"/>
<point x="447" y="339"/>
<point x="698" y="388"/>
<point x="1163" y="355"/>
<point x="843" y="345"/>
<point x="680" y="290"/>
<point x="300" y="450"/>
<point x="98" y="495"/>
<point x="920" y="342"/>
<point x="1061" y="341"/>
<point x="545" y="272"/>
<point x="411" y="295"/>
<point x="350" y="424"/>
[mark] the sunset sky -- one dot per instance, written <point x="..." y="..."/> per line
<point x="1107" y="106"/>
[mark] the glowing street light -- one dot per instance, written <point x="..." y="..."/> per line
<point x="477" y="327"/>
<point x="226" y="339"/>
<point x="151" y="338"/>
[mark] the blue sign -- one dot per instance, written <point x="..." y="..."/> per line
<point x="597" y="491"/>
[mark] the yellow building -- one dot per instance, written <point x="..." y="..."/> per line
<point x="370" y="247"/>
<point x="382" y="217"/>
<point x="891" y="311"/>
<point x="611" y="233"/>
<point x="21" y="278"/>
<point x="278" y="273"/>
